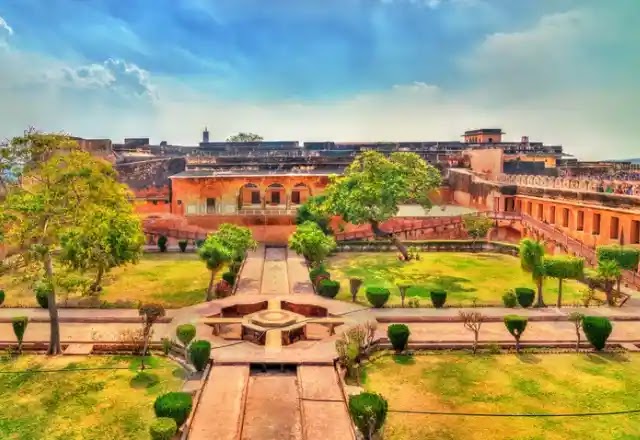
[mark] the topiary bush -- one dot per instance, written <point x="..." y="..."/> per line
<point x="1" y="296"/>
<point x="377" y="296"/>
<point x="368" y="412"/>
<point x="516" y="325"/>
<point x="163" y="428"/>
<point x="509" y="299"/>
<point x="438" y="298"/>
<point x="525" y="296"/>
<point x="398" y="334"/>
<point x="597" y="329"/>
<point x="182" y="244"/>
<point x="185" y="333"/>
<point x="316" y="272"/>
<point x="174" y="405"/>
<point x="19" y="324"/>
<point x="42" y="290"/>
<point x="162" y="243"/>
<point x="328" y="288"/>
<point x="229" y="277"/>
<point x="199" y="352"/>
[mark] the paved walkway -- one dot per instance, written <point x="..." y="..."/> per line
<point x="298" y="274"/>
<point x="275" y="280"/>
<point x="251" y="274"/>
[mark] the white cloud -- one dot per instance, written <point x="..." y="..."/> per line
<point x="5" y="28"/>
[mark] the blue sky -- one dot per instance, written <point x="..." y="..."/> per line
<point x="561" y="71"/>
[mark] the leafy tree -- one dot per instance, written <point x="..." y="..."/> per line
<point x="312" y="210"/>
<point x="472" y="321"/>
<point x="245" y="137"/>
<point x="57" y="194"/>
<point x="608" y="273"/>
<point x="477" y="226"/>
<point x="108" y="237"/>
<point x="373" y="186"/>
<point x="309" y="241"/>
<point x="214" y="254"/>
<point x="626" y="257"/>
<point x="238" y="240"/>
<point x="150" y="313"/>
<point x="532" y="261"/>
<point x="563" y="268"/>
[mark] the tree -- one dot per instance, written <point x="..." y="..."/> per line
<point x="309" y="241"/>
<point x="626" y="257"/>
<point x="532" y="261"/>
<point x="56" y="195"/>
<point x="312" y="210"/>
<point x="245" y="137"/>
<point x="354" y="286"/>
<point x="150" y="313"/>
<point x="472" y="321"/>
<point x="373" y="186"/>
<point x="608" y="272"/>
<point x="108" y="237"/>
<point x="563" y="268"/>
<point x="19" y="324"/>
<point x="576" y="318"/>
<point x="477" y="226"/>
<point x="238" y="240"/>
<point x="516" y="325"/>
<point x="214" y="254"/>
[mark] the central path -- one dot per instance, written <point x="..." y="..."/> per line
<point x="275" y="280"/>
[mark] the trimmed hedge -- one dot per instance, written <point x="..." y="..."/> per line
<point x="19" y="324"/>
<point x="163" y="428"/>
<point x="516" y="325"/>
<point x="1" y="296"/>
<point x="597" y="329"/>
<point x="186" y="333"/>
<point x="438" y="298"/>
<point x="182" y="244"/>
<point x="229" y="277"/>
<point x="328" y="288"/>
<point x="377" y="296"/>
<point x="626" y="257"/>
<point x="368" y="410"/>
<point x="42" y="294"/>
<point x="175" y="405"/>
<point x="162" y="243"/>
<point x="199" y="352"/>
<point x="316" y="272"/>
<point x="509" y="299"/>
<point x="525" y="296"/>
<point x="398" y="335"/>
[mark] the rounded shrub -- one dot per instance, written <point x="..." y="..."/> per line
<point x="509" y="299"/>
<point x="229" y="277"/>
<point x="174" y="405"/>
<point x="162" y="243"/>
<point x="182" y="244"/>
<point x="199" y="352"/>
<point x="185" y="333"/>
<point x="516" y="325"/>
<point x="163" y="428"/>
<point x="328" y="288"/>
<point x="597" y="329"/>
<point x="42" y="290"/>
<point x="377" y="296"/>
<point x="368" y="412"/>
<point x="398" y="334"/>
<point x="1" y="296"/>
<point x="438" y="298"/>
<point x="525" y="296"/>
<point x="316" y="272"/>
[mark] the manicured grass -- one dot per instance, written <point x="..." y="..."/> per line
<point x="530" y="383"/>
<point x="83" y="405"/>
<point x="465" y="276"/>
<point x="171" y="279"/>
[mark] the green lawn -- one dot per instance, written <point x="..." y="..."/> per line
<point x="465" y="276"/>
<point x="531" y="383"/>
<point x="172" y="279"/>
<point x="83" y="405"/>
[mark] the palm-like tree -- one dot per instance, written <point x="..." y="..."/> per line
<point x="609" y="273"/>
<point x="214" y="254"/>
<point x="532" y="261"/>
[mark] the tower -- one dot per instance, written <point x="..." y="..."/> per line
<point x="205" y="136"/>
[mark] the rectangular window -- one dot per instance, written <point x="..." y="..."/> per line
<point x="552" y="215"/>
<point x="519" y="205"/>
<point x="565" y="217"/>
<point x="211" y="206"/>
<point x="275" y="197"/>
<point x="596" y="224"/>
<point x="635" y="232"/>
<point x="295" y="197"/>
<point x="580" y="225"/>
<point x="540" y="211"/>
<point x="530" y="208"/>
<point x="255" y="198"/>
<point x="615" y="227"/>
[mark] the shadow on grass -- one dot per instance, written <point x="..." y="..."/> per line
<point x="403" y="359"/>
<point x="144" y="379"/>
<point x="604" y="357"/>
<point x="179" y="373"/>
<point x="528" y="358"/>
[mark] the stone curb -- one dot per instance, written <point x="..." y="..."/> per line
<point x="450" y="319"/>
<point x="90" y="320"/>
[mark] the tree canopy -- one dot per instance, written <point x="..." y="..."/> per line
<point x="309" y="241"/>
<point x="626" y="257"/>
<point x="214" y="254"/>
<point x="245" y="137"/>
<point x="477" y="226"/>
<point x="562" y="268"/>
<point x="238" y="240"/>
<point x="312" y="210"/>
<point x="532" y="261"/>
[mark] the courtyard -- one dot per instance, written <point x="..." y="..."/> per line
<point x="528" y="383"/>
<point x="466" y="277"/>
<point x="97" y="397"/>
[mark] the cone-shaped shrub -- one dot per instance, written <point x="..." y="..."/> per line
<point x="398" y="334"/>
<point x="368" y="412"/>
<point x="185" y="333"/>
<point x="182" y="244"/>
<point x="438" y="298"/>
<point x="377" y="296"/>
<point x="42" y="294"/>
<point x="175" y="405"/>
<point x="163" y="428"/>
<point x="199" y="352"/>
<point x="316" y="272"/>
<point x="162" y="243"/>
<point x="1" y="296"/>
<point x="19" y="324"/>
<point x="229" y="277"/>
<point x="525" y="296"/>
<point x="328" y="288"/>
<point x="597" y="330"/>
<point x="516" y="325"/>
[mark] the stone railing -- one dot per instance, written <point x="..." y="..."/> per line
<point x="631" y="188"/>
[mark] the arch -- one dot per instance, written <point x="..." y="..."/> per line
<point x="249" y="196"/>
<point x="300" y="193"/>
<point x="275" y="194"/>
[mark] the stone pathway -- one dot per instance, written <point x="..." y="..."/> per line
<point x="298" y="274"/>
<point x="275" y="280"/>
<point x="251" y="276"/>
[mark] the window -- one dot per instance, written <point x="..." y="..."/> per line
<point x="635" y="232"/>
<point x="519" y="205"/>
<point x="552" y="214"/>
<point x="615" y="227"/>
<point x="211" y="206"/>
<point x="530" y="208"/>
<point x="580" y="225"/>
<point x="565" y="217"/>
<point x="540" y="211"/>
<point x="255" y="198"/>
<point x="275" y="197"/>
<point x="596" y="224"/>
<point x="295" y="197"/>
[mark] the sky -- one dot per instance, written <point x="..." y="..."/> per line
<point x="559" y="71"/>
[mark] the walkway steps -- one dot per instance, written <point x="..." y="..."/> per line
<point x="250" y="279"/>
<point x="219" y="413"/>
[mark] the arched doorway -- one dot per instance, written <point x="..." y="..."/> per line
<point x="249" y="196"/>
<point x="300" y="193"/>
<point x="275" y="195"/>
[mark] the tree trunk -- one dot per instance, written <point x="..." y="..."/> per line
<point x="147" y="331"/>
<point x="540" y="302"/>
<point x="619" y="279"/>
<point x="517" y="344"/>
<point x="609" y="292"/>
<point x="475" y="342"/>
<point x="210" y="288"/>
<point x="95" y="287"/>
<point x="577" y="339"/>
<point x="375" y="227"/>
<point x="54" y="336"/>
<point x="559" y="303"/>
